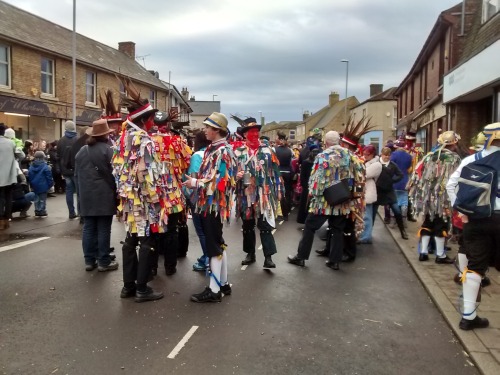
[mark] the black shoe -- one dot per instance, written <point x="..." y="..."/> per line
<point x="268" y="263"/>
<point x="249" y="259"/>
<point x="296" y="261"/>
<point x="226" y="289"/>
<point x="285" y="218"/>
<point x="333" y="265"/>
<point x="181" y="255"/>
<point x="148" y="295"/>
<point x="423" y="257"/>
<point x="348" y="258"/>
<point x="323" y="252"/>
<point x="170" y="270"/>
<point x="477" y="322"/>
<point x="485" y="281"/>
<point x="73" y="216"/>
<point x="457" y="278"/>
<point x="112" y="254"/>
<point x="127" y="292"/>
<point x="444" y="260"/>
<point x="112" y="266"/>
<point x="207" y="296"/>
<point x="90" y="267"/>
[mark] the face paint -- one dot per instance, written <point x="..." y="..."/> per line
<point x="252" y="137"/>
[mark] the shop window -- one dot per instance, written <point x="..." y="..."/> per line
<point x="90" y="88"/>
<point x="4" y="66"/>
<point x="47" y="76"/>
<point x="490" y="8"/>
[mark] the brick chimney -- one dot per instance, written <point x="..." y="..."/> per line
<point x="185" y="93"/>
<point x="376" y="88"/>
<point x="128" y="48"/>
<point x="333" y="98"/>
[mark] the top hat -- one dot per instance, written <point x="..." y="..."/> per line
<point x="99" y="127"/>
<point x="250" y="123"/>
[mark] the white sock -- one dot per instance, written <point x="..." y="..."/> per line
<point x="470" y="288"/>
<point x="215" y="267"/>
<point x="440" y="253"/>
<point x="424" y="244"/>
<point x="223" y="271"/>
<point x="462" y="262"/>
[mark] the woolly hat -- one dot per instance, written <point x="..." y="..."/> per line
<point x="39" y="155"/>
<point x="70" y="126"/>
<point x="10" y="133"/>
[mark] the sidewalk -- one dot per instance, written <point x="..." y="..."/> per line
<point x="483" y="345"/>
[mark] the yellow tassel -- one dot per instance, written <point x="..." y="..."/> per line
<point x="464" y="272"/>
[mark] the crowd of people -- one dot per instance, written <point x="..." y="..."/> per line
<point x="144" y="171"/>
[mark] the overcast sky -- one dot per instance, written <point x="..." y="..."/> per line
<point x="280" y="57"/>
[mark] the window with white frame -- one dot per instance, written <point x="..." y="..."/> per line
<point x="292" y="135"/>
<point x="4" y="66"/>
<point x="490" y="8"/>
<point x="152" y="98"/>
<point x="47" y="76"/>
<point x="90" y="87"/>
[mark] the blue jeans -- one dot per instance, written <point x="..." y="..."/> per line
<point x="41" y="203"/>
<point x="396" y="210"/>
<point x="96" y="238"/>
<point x="70" y="190"/>
<point x="199" y="231"/>
<point x="368" y="220"/>
<point x="402" y="198"/>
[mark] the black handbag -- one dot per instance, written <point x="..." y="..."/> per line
<point x="337" y="193"/>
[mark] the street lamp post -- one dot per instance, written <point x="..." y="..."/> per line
<point x="346" y="82"/>
<point x="213" y="97"/>
<point x="260" y="117"/>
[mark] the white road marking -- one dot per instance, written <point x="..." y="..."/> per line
<point x="260" y="247"/>
<point x="293" y="208"/>
<point x="244" y="267"/>
<point x="281" y="222"/>
<point x="274" y="231"/>
<point x="183" y="342"/>
<point x="23" y="243"/>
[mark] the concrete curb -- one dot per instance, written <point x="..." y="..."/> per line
<point x="481" y="355"/>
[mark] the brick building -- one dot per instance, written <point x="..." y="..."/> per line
<point x="472" y="89"/>
<point x="36" y="95"/>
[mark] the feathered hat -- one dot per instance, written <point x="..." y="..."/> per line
<point x="247" y="124"/>
<point x="137" y="107"/>
<point x="355" y="130"/>
<point x="110" y="111"/>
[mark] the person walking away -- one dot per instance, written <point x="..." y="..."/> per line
<point x="481" y="235"/>
<point x="386" y="196"/>
<point x="97" y="190"/>
<point x="427" y="189"/>
<point x="66" y="164"/>
<point x="40" y="179"/>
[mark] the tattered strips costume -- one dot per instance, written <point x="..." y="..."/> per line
<point x="257" y="197"/>
<point x="427" y="191"/>
<point x="174" y="155"/>
<point x="213" y="194"/>
<point x="143" y="203"/>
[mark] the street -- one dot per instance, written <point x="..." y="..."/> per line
<point x="371" y="317"/>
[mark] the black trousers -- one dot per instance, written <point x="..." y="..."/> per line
<point x="137" y="268"/>
<point x="167" y="243"/>
<point x="6" y="201"/>
<point x="482" y="243"/>
<point x="435" y="226"/>
<point x="286" y="199"/>
<point x="212" y="228"/>
<point x="266" y="236"/>
<point x="303" y="206"/>
<point x="183" y="235"/>
<point x="336" y="223"/>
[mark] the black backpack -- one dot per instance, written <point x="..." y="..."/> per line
<point x="477" y="187"/>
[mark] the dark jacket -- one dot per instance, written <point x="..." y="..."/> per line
<point x="66" y="162"/>
<point x="404" y="161"/>
<point x="388" y="177"/>
<point x="96" y="184"/>
<point x="40" y="176"/>
<point x="285" y="156"/>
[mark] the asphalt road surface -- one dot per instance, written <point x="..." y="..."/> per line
<point x="371" y="317"/>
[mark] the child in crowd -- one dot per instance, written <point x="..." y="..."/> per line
<point x="40" y="178"/>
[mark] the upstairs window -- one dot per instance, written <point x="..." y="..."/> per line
<point x="4" y="66"/>
<point x="152" y="98"/>
<point x="490" y="8"/>
<point x="47" y="76"/>
<point x="90" y="87"/>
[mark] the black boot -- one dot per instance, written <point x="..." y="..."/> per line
<point x="249" y="259"/>
<point x="401" y="226"/>
<point x="183" y="235"/>
<point x="268" y="262"/>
